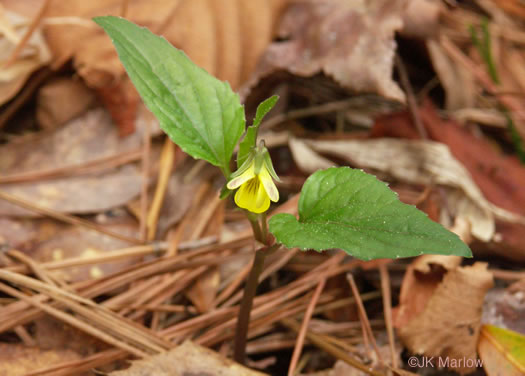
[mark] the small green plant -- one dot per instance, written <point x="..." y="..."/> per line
<point x="340" y="208"/>
<point x="484" y="48"/>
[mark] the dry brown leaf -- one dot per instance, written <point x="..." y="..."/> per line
<point x="18" y="360"/>
<point x="24" y="234"/>
<point x="184" y="360"/>
<point x="61" y="100"/>
<point x="34" y="55"/>
<point x="422" y="277"/>
<point x="85" y="243"/>
<point x="79" y="194"/>
<point x="85" y="139"/>
<point x="122" y="101"/>
<point x="457" y="81"/>
<point x="449" y="325"/>
<point x="351" y="41"/>
<point x="421" y="18"/>
<point x="226" y="41"/>
<point x="82" y="140"/>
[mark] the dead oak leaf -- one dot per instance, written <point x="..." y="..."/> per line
<point x="351" y="41"/>
<point x="450" y="323"/>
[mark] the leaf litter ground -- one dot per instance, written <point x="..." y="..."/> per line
<point x="105" y="259"/>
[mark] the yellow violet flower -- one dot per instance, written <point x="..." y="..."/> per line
<point x="255" y="182"/>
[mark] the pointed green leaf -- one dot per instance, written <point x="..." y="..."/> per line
<point x="351" y="210"/>
<point x="200" y="113"/>
<point x="249" y="140"/>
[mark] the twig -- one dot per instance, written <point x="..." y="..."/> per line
<point x="363" y="316"/>
<point x="331" y="349"/>
<point x="304" y="327"/>
<point x="31" y="264"/>
<point x="165" y="169"/>
<point x="146" y="151"/>
<point x="32" y="27"/>
<point x="95" y="165"/>
<point x="64" y="217"/>
<point x="71" y="320"/>
<point x="113" y="255"/>
<point x="387" y="311"/>
<point x="325" y="108"/>
<point x="23" y="334"/>
<point x="85" y="364"/>
<point x="104" y="318"/>
<point x="411" y="99"/>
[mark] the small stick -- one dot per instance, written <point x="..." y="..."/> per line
<point x="166" y="167"/>
<point x="387" y="308"/>
<point x="85" y="364"/>
<point x="324" y="108"/>
<point x="73" y="321"/>
<point x="363" y="316"/>
<point x="95" y="165"/>
<point x="304" y="327"/>
<point x="411" y="99"/>
<point x="33" y="265"/>
<point x="320" y="342"/>
<point x="64" y="217"/>
<point x="26" y="338"/>
<point x="146" y="151"/>
<point x="32" y="27"/>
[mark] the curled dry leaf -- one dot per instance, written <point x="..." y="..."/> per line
<point x="449" y="324"/>
<point x="34" y="55"/>
<point x="422" y="277"/>
<point x="187" y="359"/>
<point x="77" y="143"/>
<point x="457" y="81"/>
<point x="351" y="41"/>
<point x="500" y="177"/>
<point x="412" y="161"/>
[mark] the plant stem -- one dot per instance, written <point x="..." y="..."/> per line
<point x="264" y="229"/>
<point x="243" y="320"/>
<point x="256" y="228"/>
<point x="260" y="232"/>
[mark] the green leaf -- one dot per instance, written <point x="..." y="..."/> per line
<point x="250" y="138"/>
<point x="351" y="210"/>
<point x="200" y="113"/>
